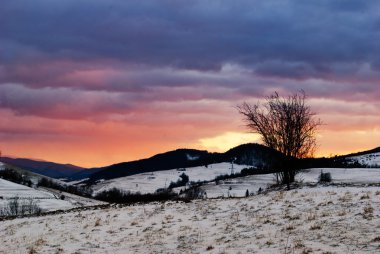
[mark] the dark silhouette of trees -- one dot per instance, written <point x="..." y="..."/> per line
<point x="285" y="124"/>
<point x="184" y="179"/>
<point x="115" y="195"/>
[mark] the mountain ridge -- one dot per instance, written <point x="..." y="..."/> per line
<point x="51" y="169"/>
<point x="249" y="154"/>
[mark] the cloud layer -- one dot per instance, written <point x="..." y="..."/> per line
<point x="176" y="69"/>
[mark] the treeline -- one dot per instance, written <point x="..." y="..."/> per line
<point x="16" y="177"/>
<point x="115" y="195"/>
<point x="73" y="189"/>
<point x="334" y="162"/>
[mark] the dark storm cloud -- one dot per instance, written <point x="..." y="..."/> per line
<point x="192" y="34"/>
<point x="147" y="51"/>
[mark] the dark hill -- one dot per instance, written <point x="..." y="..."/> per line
<point x="248" y="154"/>
<point x="375" y="150"/>
<point x="51" y="169"/>
<point x="174" y="159"/>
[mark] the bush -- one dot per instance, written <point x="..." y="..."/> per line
<point x="194" y="192"/>
<point x="184" y="179"/>
<point x="325" y="177"/>
<point x="20" y="207"/>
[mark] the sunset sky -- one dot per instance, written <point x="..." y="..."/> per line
<point x="94" y="82"/>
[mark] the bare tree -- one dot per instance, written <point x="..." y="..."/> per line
<point x="285" y="124"/>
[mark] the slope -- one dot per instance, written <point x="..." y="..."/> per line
<point x="247" y="154"/>
<point x="51" y="169"/>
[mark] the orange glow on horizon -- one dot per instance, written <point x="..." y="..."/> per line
<point x="103" y="154"/>
<point x="208" y="125"/>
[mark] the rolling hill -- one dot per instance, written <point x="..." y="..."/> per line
<point x="247" y="154"/>
<point x="51" y="169"/>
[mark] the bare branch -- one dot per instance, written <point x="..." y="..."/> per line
<point x="285" y="124"/>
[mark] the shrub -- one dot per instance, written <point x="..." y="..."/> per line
<point x="194" y="193"/>
<point x="20" y="207"/>
<point x="184" y="179"/>
<point x="325" y="177"/>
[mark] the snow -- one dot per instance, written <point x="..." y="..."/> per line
<point x="371" y="160"/>
<point x="309" y="220"/>
<point x="9" y="190"/>
<point x="191" y="158"/>
<point x="47" y="200"/>
<point x="343" y="175"/>
<point x="321" y="219"/>
<point x="150" y="182"/>
<point x="2" y="166"/>
<point x="237" y="187"/>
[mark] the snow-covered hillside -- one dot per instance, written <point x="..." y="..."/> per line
<point x="46" y="200"/>
<point x="371" y="160"/>
<point x="150" y="182"/>
<point x="237" y="187"/>
<point x="309" y="220"/>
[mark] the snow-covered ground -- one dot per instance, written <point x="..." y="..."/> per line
<point x="237" y="187"/>
<point x="46" y="200"/>
<point x="343" y="175"/>
<point x="150" y="182"/>
<point x="309" y="220"/>
<point x="371" y="160"/>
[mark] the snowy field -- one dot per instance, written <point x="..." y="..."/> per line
<point x="309" y="220"/>
<point x="372" y="160"/>
<point x="150" y="182"/>
<point x="237" y="187"/>
<point x="46" y="200"/>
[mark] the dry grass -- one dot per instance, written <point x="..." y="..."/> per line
<point x="365" y="196"/>
<point x="269" y="242"/>
<point x="253" y="225"/>
<point x="342" y="213"/>
<point x="98" y="222"/>
<point x="311" y="216"/>
<point x="316" y="226"/>
<point x="37" y="244"/>
<point x="347" y="197"/>
<point x="298" y="244"/>
<point x="368" y="212"/>
<point x="290" y="227"/>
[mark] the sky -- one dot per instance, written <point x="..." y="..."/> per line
<point x="93" y="82"/>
